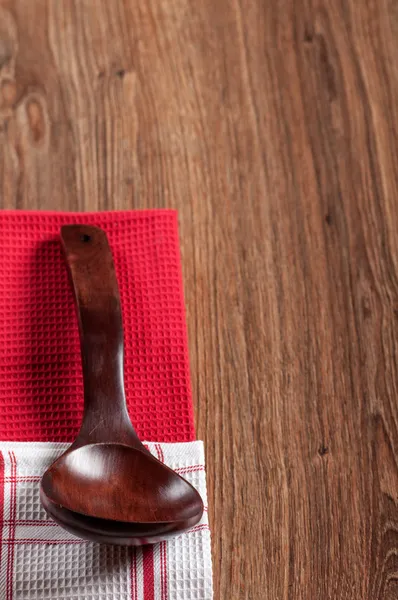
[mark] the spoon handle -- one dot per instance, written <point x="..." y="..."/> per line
<point x="92" y="272"/>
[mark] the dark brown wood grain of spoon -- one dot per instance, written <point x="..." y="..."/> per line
<point x="107" y="487"/>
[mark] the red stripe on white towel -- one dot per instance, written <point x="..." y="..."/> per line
<point x="1" y="502"/>
<point x="163" y="547"/>
<point x="149" y="573"/>
<point x="13" y="511"/>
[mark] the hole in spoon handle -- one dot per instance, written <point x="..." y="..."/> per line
<point x="92" y="272"/>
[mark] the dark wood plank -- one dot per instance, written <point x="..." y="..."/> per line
<point x="273" y="128"/>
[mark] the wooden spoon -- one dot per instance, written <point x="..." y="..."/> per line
<point x="107" y="487"/>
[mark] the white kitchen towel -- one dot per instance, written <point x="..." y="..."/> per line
<point x="40" y="561"/>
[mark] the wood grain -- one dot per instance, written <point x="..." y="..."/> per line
<point x="273" y="128"/>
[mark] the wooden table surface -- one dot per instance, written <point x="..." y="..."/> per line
<point x="273" y="127"/>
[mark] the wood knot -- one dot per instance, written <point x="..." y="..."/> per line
<point x="308" y="35"/>
<point x="8" y="42"/>
<point x="328" y="219"/>
<point x="6" y="53"/>
<point x="323" y="450"/>
<point x="36" y="119"/>
<point x="320" y="46"/>
<point x="366" y="308"/>
<point x="8" y="93"/>
<point x="327" y="68"/>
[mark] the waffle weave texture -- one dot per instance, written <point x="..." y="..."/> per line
<point x="41" y="390"/>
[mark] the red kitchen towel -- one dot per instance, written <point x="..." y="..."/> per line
<point x="41" y="389"/>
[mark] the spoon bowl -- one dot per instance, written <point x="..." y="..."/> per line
<point x="112" y="485"/>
